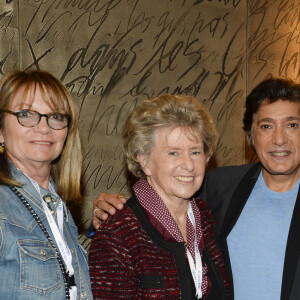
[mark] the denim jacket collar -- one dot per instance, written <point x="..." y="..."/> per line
<point x="29" y="190"/>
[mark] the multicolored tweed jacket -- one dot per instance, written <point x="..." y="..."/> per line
<point x="129" y="259"/>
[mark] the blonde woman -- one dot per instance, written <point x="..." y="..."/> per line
<point x="40" y="167"/>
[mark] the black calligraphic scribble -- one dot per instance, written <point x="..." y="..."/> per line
<point x="113" y="54"/>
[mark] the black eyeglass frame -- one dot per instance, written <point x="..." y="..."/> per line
<point x="47" y="116"/>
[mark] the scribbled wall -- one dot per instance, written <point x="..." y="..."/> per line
<point x="112" y="54"/>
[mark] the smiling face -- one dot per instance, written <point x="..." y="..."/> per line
<point x="176" y="165"/>
<point x="276" y="138"/>
<point x="34" y="147"/>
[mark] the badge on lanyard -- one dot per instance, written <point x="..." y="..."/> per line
<point x="57" y="232"/>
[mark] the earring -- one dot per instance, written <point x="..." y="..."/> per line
<point x="1" y="148"/>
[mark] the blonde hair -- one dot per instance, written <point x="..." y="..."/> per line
<point x="66" y="169"/>
<point x="165" y="111"/>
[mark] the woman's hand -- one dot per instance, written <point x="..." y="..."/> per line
<point x="106" y="204"/>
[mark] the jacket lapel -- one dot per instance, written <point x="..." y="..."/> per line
<point x="292" y="252"/>
<point x="237" y="203"/>
<point x="239" y="199"/>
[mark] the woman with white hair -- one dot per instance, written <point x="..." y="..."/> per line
<point x="162" y="245"/>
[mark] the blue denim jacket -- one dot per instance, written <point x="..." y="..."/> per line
<point x="29" y="269"/>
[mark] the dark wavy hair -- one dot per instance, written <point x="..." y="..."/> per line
<point x="272" y="90"/>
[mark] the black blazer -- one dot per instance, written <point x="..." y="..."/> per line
<point x="226" y="190"/>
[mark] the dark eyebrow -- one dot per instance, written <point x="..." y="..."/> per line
<point x="293" y="118"/>
<point x="270" y="120"/>
<point x="267" y="120"/>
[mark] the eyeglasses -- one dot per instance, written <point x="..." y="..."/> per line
<point x="30" y="118"/>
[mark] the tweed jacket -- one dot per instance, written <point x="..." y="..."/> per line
<point x="227" y="190"/>
<point x="129" y="259"/>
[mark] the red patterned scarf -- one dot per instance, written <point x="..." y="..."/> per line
<point x="160" y="217"/>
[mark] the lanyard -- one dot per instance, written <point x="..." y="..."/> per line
<point x="58" y="233"/>
<point x="196" y="268"/>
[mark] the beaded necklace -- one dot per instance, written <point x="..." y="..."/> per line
<point x="68" y="280"/>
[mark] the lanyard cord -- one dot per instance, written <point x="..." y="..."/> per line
<point x="57" y="230"/>
<point x="196" y="268"/>
<point x="40" y="223"/>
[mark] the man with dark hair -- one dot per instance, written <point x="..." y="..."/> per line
<point x="257" y="206"/>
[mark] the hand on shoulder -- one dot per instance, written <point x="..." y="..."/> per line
<point x="106" y="204"/>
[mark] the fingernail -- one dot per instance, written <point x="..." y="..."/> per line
<point x="112" y="211"/>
